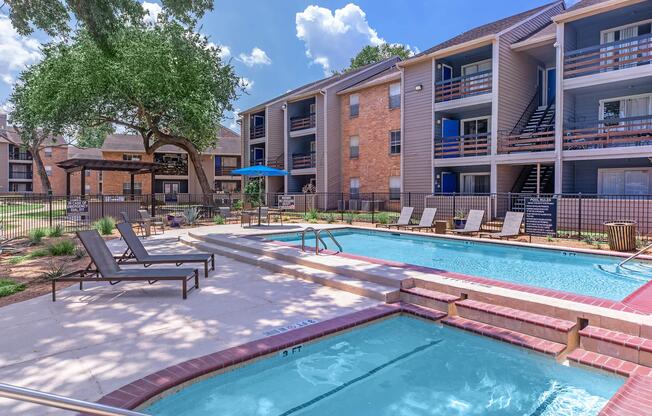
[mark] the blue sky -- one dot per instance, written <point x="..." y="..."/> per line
<point x="277" y="45"/>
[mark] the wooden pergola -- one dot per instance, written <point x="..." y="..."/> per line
<point x="130" y="166"/>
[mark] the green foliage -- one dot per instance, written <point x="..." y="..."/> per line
<point x="253" y="190"/>
<point x="311" y="216"/>
<point x="219" y="220"/>
<point x="383" y="218"/>
<point x="62" y="248"/>
<point x="460" y="214"/>
<point x="105" y="225"/>
<point x="191" y="215"/>
<point x="56" y="231"/>
<point x="237" y="205"/>
<point x="590" y="239"/>
<point x="79" y="252"/>
<point x="349" y="218"/>
<point x="549" y="239"/>
<point x="9" y="287"/>
<point x="372" y="54"/>
<point x="93" y="137"/>
<point x="54" y="271"/>
<point x="330" y="218"/>
<point x="36" y="235"/>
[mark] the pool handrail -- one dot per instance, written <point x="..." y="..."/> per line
<point x="318" y="238"/>
<point x="633" y="256"/>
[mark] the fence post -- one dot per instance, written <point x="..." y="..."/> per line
<point x="305" y="204"/>
<point x="409" y="204"/>
<point x="454" y="205"/>
<point x="50" y="209"/>
<point x="342" y="207"/>
<point x="373" y="208"/>
<point x="102" y="204"/>
<point x="579" y="216"/>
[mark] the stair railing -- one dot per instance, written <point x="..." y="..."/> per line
<point x="527" y="113"/>
<point x="545" y="114"/>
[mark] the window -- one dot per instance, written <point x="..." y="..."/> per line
<point x="394" y="187"/>
<point x="87" y="173"/>
<point x="475" y="183"/>
<point x="395" y="142"/>
<point x="88" y="188"/>
<point x="636" y="109"/>
<point x="354" y="188"/>
<point x="620" y="34"/>
<point x="354" y="147"/>
<point x="354" y="105"/>
<point x="475" y="128"/>
<point x="395" y="95"/>
<point x="48" y="170"/>
<point x="631" y="181"/>
<point x="126" y="188"/>
<point x="173" y="163"/>
<point x="131" y="156"/>
<point x="48" y="152"/>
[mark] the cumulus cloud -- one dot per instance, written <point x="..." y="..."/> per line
<point x="332" y="38"/>
<point x="152" y="11"/>
<point x="225" y="51"/>
<point x="231" y="120"/>
<point x="16" y="51"/>
<point x="256" y="57"/>
<point x="246" y="83"/>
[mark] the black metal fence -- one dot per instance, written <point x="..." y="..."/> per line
<point x="577" y="216"/>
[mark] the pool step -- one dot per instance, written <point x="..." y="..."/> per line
<point x="540" y="326"/>
<point x="607" y="363"/>
<point x="506" y="335"/>
<point x="615" y="344"/>
<point x="428" y="298"/>
<point x="345" y="283"/>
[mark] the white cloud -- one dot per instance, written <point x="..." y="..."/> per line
<point x="7" y="79"/>
<point x="333" y="38"/>
<point x="256" y="57"/>
<point x="246" y="83"/>
<point x="225" y="51"/>
<point x="16" y="51"/>
<point x="231" y="120"/>
<point x="152" y="10"/>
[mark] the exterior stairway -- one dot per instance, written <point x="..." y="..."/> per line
<point x="527" y="184"/>
<point x="542" y="119"/>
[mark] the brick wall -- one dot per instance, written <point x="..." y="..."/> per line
<point x="58" y="176"/>
<point x="374" y="164"/>
<point x="112" y="182"/>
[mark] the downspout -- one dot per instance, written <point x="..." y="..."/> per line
<point x="322" y="92"/>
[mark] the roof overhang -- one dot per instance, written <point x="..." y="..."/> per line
<point x="534" y="42"/>
<point x="592" y="10"/>
<point x="133" y="167"/>
<point x="462" y="47"/>
<point x="374" y="82"/>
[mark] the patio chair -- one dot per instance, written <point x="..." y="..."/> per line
<point x="108" y="270"/>
<point x="125" y="219"/>
<point x="137" y="253"/>
<point x="427" y="220"/>
<point x="403" y="219"/>
<point x="147" y="219"/>
<point x="473" y="222"/>
<point x="225" y="212"/>
<point x="511" y="226"/>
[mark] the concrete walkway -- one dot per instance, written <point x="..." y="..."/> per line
<point x="91" y="342"/>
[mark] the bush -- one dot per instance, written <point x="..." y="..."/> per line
<point x="219" y="220"/>
<point x="79" y="252"/>
<point x="62" y="248"/>
<point x="54" y="271"/>
<point x="36" y="235"/>
<point x="56" y="231"/>
<point x="105" y="225"/>
<point x="330" y="218"/>
<point x="310" y="216"/>
<point x="383" y="218"/>
<point x="191" y="215"/>
<point x="9" y="287"/>
<point x="349" y="218"/>
<point x="237" y="205"/>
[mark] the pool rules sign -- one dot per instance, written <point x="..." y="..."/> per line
<point x="541" y="216"/>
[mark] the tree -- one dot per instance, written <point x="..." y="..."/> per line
<point x="372" y="54"/>
<point x="162" y="82"/>
<point x="93" y="137"/>
<point x="99" y="17"/>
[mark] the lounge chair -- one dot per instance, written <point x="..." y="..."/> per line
<point x="225" y="212"/>
<point x="108" y="270"/>
<point x="473" y="222"/>
<point x="427" y="220"/>
<point x="511" y="226"/>
<point x="126" y="220"/>
<point x="137" y="253"/>
<point x="147" y="219"/>
<point x="403" y="219"/>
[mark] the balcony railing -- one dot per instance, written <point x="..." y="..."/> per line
<point x="463" y="146"/>
<point x="610" y="56"/>
<point x="20" y="175"/>
<point x="462" y="87"/>
<point x="614" y="132"/>
<point x="536" y="141"/>
<point x="256" y="132"/>
<point x="300" y="123"/>
<point x="303" y="161"/>
<point x="20" y="156"/>
<point x="225" y="171"/>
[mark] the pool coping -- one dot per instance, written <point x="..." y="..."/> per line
<point x="139" y="392"/>
<point x="644" y="291"/>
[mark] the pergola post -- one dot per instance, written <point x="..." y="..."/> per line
<point x="132" y="185"/>
<point x="83" y="182"/>
<point x="152" y="190"/>
<point x="67" y="183"/>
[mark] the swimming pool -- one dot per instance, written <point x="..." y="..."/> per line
<point x="552" y="269"/>
<point x="398" y="366"/>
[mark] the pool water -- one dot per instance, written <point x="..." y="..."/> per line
<point x="398" y="366"/>
<point x="552" y="269"/>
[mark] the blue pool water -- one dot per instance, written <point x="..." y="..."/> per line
<point x="552" y="269"/>
<point x="400" y="366"/>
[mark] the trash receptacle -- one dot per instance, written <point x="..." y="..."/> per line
<point x="621" y="235"/>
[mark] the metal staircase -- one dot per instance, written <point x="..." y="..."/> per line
<point x="526" y="184"/>
<point x="542" y="119"/>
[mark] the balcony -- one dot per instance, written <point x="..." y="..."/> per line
<point x="256" y="132"/>
<point x="20" y="175"/>
<point x="536" y="141"/>
<point x="20" y="156"/>
<point x="301" y="123"/>
<point x="463" y="146"/>
<point x="303" y="161"/>
<point x="462" y="87"/>
<point x="614" y="132"/>
<point x="612" y="56"/>
<point x="228" y="170"/>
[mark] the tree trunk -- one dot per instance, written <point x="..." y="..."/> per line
<point x="40" y="169"/>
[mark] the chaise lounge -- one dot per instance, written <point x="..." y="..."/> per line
<point x="511" y="226"/>
<point x="107" y="269"/>
<point x="427" y="220"/>
<point x="403" y="219"/>
<point x="473" y="222"/>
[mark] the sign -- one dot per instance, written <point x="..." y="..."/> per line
<point x="286" y="202"/>
<point x="77" y="206"/>
<point x="541" y="216"/>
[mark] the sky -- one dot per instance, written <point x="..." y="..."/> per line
<point x="277" y="45"/>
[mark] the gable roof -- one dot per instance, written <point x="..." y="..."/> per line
<point x="389" y="75"/>
<point x="584" y="3"/>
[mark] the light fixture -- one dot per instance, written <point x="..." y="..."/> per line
<point x="284" y="106"/>
<point x="418" y="87"/>
<point x="438" y="66"/>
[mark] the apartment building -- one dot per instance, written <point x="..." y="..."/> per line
<point x="301" y="132"/>
<point x="370" y="114"/>
<point x="15" y="163"/>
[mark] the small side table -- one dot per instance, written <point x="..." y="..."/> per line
<point x="440" y="227"/>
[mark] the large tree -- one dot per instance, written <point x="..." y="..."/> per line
<point x="163" y="82"/>
<point x="372" y="54"/>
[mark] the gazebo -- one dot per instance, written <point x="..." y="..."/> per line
<point x="132" y="167"/>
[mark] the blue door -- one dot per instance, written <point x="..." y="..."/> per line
<point x="450" y="137"/>
<point x="551" y="88"/>
<point x="448" y="182"/>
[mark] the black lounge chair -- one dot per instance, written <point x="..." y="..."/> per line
<point x="108" y="270"/>
<point x="137" y="253"/>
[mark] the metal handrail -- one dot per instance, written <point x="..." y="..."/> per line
<point x="633" y="256"/>
<point x="317" y="239"/>
<point x="61" y="402"/>
<point x="332" y="238"/>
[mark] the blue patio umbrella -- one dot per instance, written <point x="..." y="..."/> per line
<point x="260" y="170"/>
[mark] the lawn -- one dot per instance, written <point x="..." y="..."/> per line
<point x="56" y="213"/>
<point x="20" y="207"/>
<point x="9" y="287"/>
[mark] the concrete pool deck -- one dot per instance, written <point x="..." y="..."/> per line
<point x="92" y="342"/>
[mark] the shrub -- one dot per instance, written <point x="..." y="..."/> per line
<point x="79" y="252"/>
<point x="349" y="218"/>
<point x="9" y="287"/>
<point x="105" y="225"/>
<point x="330" y="218"/>
<point x="36" y="235"/>
<point x="56" y="231"/>
<point x="191" y="215"/>
<point x="310" y="216"/>
<point x="237" y="205"/>
<point x="54" y="271"/>
<point x="62" y="248"/>
<point x="219" y="220"/>
<point x="383" y="218"/>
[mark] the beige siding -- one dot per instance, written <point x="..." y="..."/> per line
<point x="275" y="132"/>
<point x="334" y="142"/>
<point x="244" y="134"/>
<point x="417" y="128"/>
<point x="320" y="138"/>
<point x="4" y="167"/>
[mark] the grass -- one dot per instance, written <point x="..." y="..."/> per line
<point x="105" y="225"/>
<point x="36" y="235"/>
<point x="41" y="215"/>
<point x="9" y="287"/>
<point x="59" y="248"/>
<point x="56" y="231"/>
<point x="14" y="208"/>
<point x="62" y="248"/>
